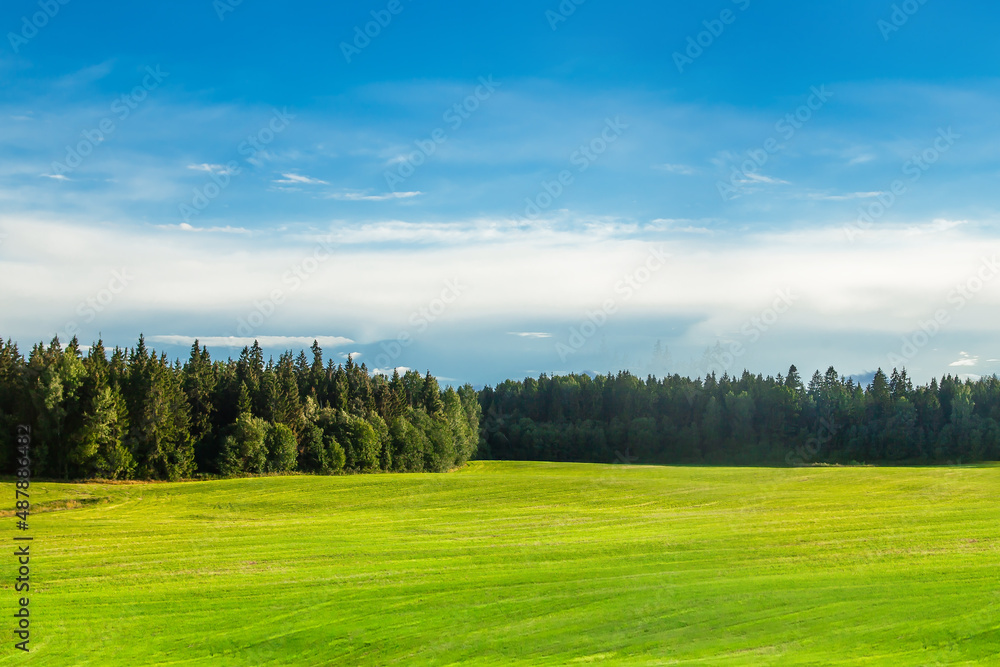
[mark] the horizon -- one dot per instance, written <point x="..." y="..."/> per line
<point x="862" y="380"/>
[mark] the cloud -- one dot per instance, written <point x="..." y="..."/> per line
<point x="219" y="169"/>
<point x="55" y="177"/>
<point x="553" y="274"/>
<point x="282" y="342"/>
<point x="402" y="370"/>
<point x="529" y="334"/>
<point x="754" y="177"/>
<point x="966" y="360"/>
<point x="185" y="227"/>
<point x="681" y="169"/>
<point x="845" y="197"/>
<point x="935" y="227"/>
<point x="361" y="196"/>
<point x="292" y="179"/>
<point x="673" y="225"/>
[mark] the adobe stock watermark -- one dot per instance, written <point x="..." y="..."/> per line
<point x="221" y="176"/>
<point x="913" y="169"/>
<point x="94" y="305"/>
<point x="455" y="116"/>
<point x="723" y="358"/>
<point x="419" y="320"/>
<point x="624" y="290"/>
<point x="30" y="26"/>
<point x="900" y="16"/>
<point x="786" y="129"/>
<point x="582" y="158"/>
<point x="562" y="13"/>
<point x="223" y="7"/>
<point x="698" y="44"/>
<point x="121" y="109"/>
<point x="958" y="298"/>
<point x="363" y="37"/>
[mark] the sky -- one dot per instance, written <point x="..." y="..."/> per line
<point x="497" y="190"/>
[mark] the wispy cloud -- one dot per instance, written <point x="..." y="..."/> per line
<point x="219" y="169"/>
<point x="682" y="225"/>
<point x="297" y="179"/>
<point x="935" y="227"/>
<point x="55" y="177"/>
<point x="820" y="196"/>
<point x="402" y="370"/>
<point x="185" y="227"/>
<point x="682" y="169"/>
<point x="530" y="334"/>
<point x="754" y="177"/>
<point x="965" y="361"/>
<point x="361" y="196"/>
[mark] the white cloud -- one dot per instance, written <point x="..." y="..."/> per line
<point x="55" y="177"/>
<point x="219" y="169"/>
<point x="845" y="197"/>
<point x="685" y="226"/>
<point x="754" y="177"/>
<point x="185" y="227"/>
<point x="361" y="196"/>
<point x="292" y="178"/>
<point x="681" y="169"/>
<point x="388" y="371"/>
<point x="937" y="226"/>
<point x="966" y="360"/>
<point x="530" y="334"/>
<point x="550" y="273"/>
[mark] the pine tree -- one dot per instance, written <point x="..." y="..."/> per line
<point x="159" y="429"/>
<point x="793" y="381"/>
<point x="244" y="406"/>
<point x="199" y="383"/>
<point x="430" y="396"/>
<point x="12" y="400"/>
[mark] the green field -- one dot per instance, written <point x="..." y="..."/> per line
<point x="517" y="563"/>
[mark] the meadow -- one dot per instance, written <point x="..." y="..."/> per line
<point x="518" y="563"/>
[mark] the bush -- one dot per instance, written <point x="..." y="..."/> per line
<point x="244" y="449"/>
<point x="282" y="449"/>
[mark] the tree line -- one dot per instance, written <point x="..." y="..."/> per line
<point x="743" y="420"/>
<point x="132" y="414"/>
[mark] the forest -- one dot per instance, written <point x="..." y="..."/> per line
<point x="750" y="420"/>
<point x="132" y="414"/>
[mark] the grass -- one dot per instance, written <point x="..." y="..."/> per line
<point x="517" y="563"/>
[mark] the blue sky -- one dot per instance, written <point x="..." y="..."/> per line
<point x="501" y="190"/>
